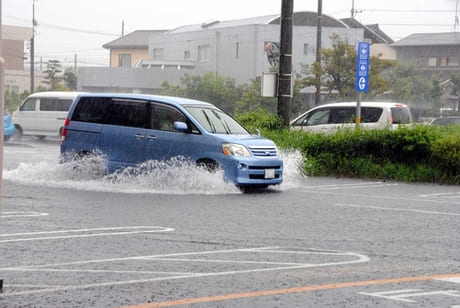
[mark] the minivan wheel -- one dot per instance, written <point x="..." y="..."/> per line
<point x="208" y="165"/>
<point x="89" y="164"/>
<point x="251" y="189"/>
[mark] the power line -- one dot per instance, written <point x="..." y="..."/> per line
<point x="57" y="27"/>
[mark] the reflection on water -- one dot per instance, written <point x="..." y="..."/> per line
<point x="176" y="176"/>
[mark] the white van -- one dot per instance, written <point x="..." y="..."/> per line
<point x="42" y="114"/>
<point x="329" y="118"/>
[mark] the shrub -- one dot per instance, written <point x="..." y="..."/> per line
<point x="417" y="153"/>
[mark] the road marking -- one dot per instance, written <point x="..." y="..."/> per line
<point x="22" y="214"/>
<point x="350" y="186"/>
<point x="441" y="195"/>
<point x="451" y="279"/>
<point x="79" y="233"/>
<point x="247" y="253"/>
<point x="234" y="296"/>
<point x="402" y="295"/>
<point x="398" y="209"/>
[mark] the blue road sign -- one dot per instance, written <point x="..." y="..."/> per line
<point x="362" y="67"/>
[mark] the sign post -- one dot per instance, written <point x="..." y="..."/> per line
<point x="362" y="75"/>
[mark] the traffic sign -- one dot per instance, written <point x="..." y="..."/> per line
<point x="362" y="67"/>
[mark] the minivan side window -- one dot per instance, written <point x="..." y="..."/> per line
<point x="370" y="114"/>
<point x="342" y="115"/>
<point x="54" y="104"/>
<point x="29" y="105"/>
<point x="124" y="112"/>
<point x="318" y="117"/>
<point x="163" y="117"/>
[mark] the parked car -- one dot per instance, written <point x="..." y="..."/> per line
<point x="129" y="129"/>
<point x="331" y="117"/>
<point x="42" y="114"/>
<point x="8" y="127"/>
<point x="449" y="120"/>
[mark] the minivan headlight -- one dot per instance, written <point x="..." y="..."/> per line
<point x="233" y="149"/>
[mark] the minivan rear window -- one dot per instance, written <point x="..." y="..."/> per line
<point x="400" y="115"/>
<point x="91" y="109"/>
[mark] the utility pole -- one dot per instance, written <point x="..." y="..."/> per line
<point x="285" y="69"/>
<point x="32" y="50"/>
<point x="318" y="53"/>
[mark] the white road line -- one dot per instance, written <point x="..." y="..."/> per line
<point x="175" y="275"/>
<point x="22" y="214"/>
<point x="350" y="186"/>
<point x="441" y="195"/>
<point x="398" y="209"/>
<point x="84" y="233"/>
<point x="451" y="279"/>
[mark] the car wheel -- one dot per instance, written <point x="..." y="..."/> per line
<point x="17" y="136"/>
<point x="251" y="189"/>
<point x="208" y="165"/>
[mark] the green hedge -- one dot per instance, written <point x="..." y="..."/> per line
<point x="418" y="153"/>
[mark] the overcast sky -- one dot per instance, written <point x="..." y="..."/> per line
<point x="80" y="27"/>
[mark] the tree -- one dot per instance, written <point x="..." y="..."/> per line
<point x="251" y="100"/>
<point x="53" y="68"/>
<point x="13" y="99"/>
<point x="70" y="79"/>
<point x="220" y="91"/>
<point x="338" y="71"/>
<point x="410" y="85"/>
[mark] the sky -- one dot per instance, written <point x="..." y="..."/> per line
<point x="69" y="29"/>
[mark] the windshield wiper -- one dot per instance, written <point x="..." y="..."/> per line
<point x="213" y="129"/>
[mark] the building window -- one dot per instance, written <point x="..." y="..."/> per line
<point x="124" y="60"/>
<point x="237" y="51"/>
<point x="203" y="53"/>
<point x="432" y="61"/>
<point x="452" y="61"/>
<point x="305" y="49"/>
<point x="186" y="54"/>
<point x="443" y="61"/>
<point x="157" y="53"/>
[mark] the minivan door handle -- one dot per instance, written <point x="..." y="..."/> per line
<point x="151" y="137"/>
<point x="137" y="136"/>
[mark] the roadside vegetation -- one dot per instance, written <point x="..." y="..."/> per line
<point x="418" y="153"/>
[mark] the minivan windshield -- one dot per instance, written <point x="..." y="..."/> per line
<point x="216" y="121"/>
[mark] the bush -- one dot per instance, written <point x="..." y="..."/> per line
<point x="261" y="120"/>
<point x="418" y="153"/>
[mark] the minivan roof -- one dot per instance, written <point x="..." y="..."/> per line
<point x="365" y="104"/>
<point x="158" y="98"/>
<point x="62" y="94"/>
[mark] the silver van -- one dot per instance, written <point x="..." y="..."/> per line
<point x="42" y="114"/>
<point x="329" y="118"/>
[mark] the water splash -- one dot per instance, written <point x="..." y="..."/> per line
<point x="175" y="176"/>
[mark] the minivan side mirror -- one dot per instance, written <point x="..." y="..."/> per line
<point x="180" y="126"/>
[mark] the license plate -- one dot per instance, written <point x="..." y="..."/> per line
<point x="269" y="173"/>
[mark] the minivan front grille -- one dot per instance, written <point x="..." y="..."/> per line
<point x="263" y="151"/>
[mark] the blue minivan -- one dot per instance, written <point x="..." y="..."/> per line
<point x="129" y="129"/>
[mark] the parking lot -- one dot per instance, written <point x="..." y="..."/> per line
<point x="79" y="242"/>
